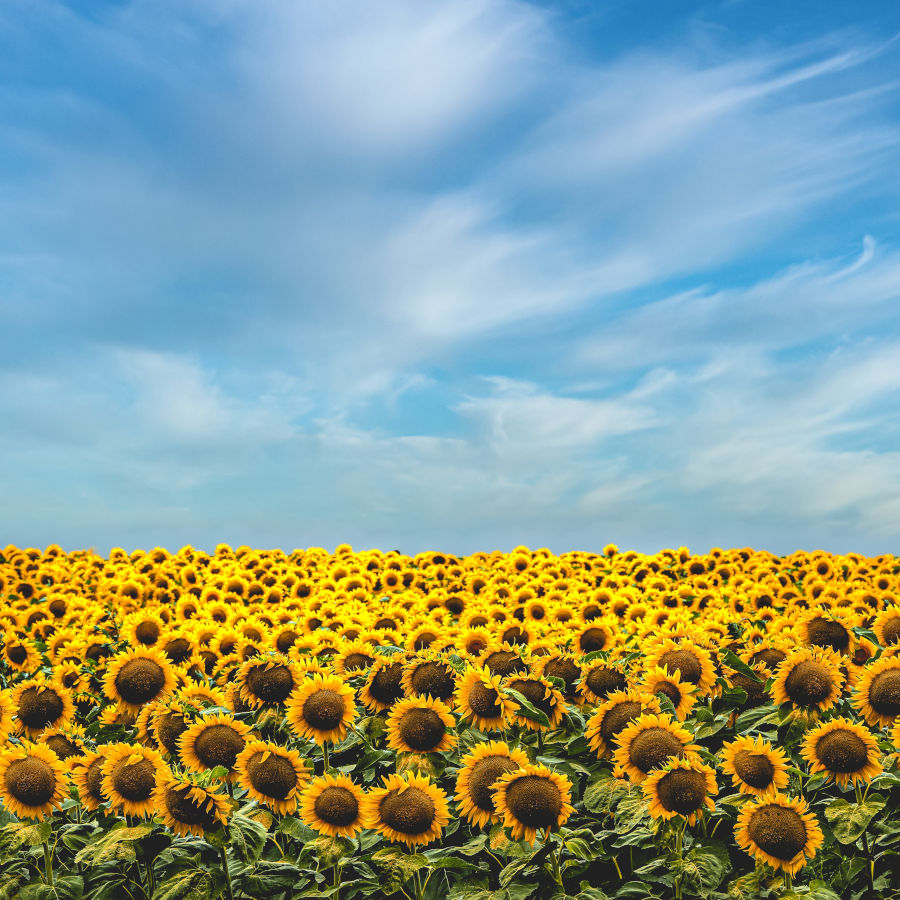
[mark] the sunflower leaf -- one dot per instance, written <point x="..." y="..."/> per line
<point x="529" y="710"/>
<point x="849" y="820"/>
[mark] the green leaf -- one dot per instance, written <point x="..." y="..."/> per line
<point x="192" y="884"/>
<point x="733" y="661"/>
<point x="398" y="865"/>
<point x="66" y="887"/>
<point x="116" y="845"/>
<point x="527" y="709"/>
<point x="248" y="837"/>
<point x="849" y="820"/>
<point x="705" y="866"/>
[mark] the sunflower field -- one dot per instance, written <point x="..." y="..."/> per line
<point x="254" y="724"/>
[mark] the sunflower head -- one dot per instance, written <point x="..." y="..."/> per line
<point x="322" y="708"/>
<point x="480" y="699"/>
<point x="32" y="780"/>
<point x="531" y="799"/>
<point x="683" y="787"/>
<point x="272" y="775"/>
<point x="877" y="694"/>
<point x="613" y="715"/>
<point x="213" y="741"/>
<point x="384" y="685"/>
<point x="41" y="703"/>
<point x="137" y="677"/>
<point x="420" y="725"/>
<point x="600" y="679"/>
<point x="129" y="776"/>
<point x="844" y="751"/>
<point x="333" y="806"/>
<point x="189" y="808"/>
<point x="267" y="680"/>
<point x="407" y="809"/>
<point x="809" y="679"/>
<point x="430" y="676"/>
<point x="541" y="695"/>
<point x="780" y="831"/>
<point x="481" y="768"/>
<point x="648" y="742"/>
<point x="756" y="767"/>
<point x="682" y="694"/>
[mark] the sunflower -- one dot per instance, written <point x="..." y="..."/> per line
<point x="887" y="625"/>
<point x="845" y="751"/>
<point x="480" y="699"/>
<point x="532" y="798"/>
<point x="780" y="831"/>
<point x="267" y="680"/>
<point x="144" y="628"/>
<point x="20" y="654"/>
<point x="681" y="788"/>
<point x="41" y="703"/>
<point x="599" y="679"/>
<point x="541" y="695"/>
<point x="333" y="805"/>
<point x="756" y="767"/>
<point x="322" y="708"/>
<point x="594" y="635"/>
<point x="481" y="768"/>
<point x="820" y="629"/>
<point x="138" y="676"/>
<point x="809" y="679"/>
<point x="214" y="740"/>
<point x="682" y="694"/>
<point x="86" y="773"/>
<point x="692" y="662"/>
<point x="420" y="725"/>
<point x="408" y="809"/>
<point x="647" y="742"/>
<point x="503" y="659"/>
<point x="187" y="808"/>
<point x="877" y="694"/>
<point x="272" y="775"/>
<point x="353" y="658"/>
<point x="167" y="722"/>
<point x="129" y="776"/>
<point x="384" y="685"/>
<point x="429" y="677"/>
<point x="32" y="780"/>
<point x="66" y="742"/>
<point x="613" y="716"/>
<point x="565" y="667"/>
<point x="7" y="709"/>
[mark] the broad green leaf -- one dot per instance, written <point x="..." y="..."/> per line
<point x="849" y="820"/>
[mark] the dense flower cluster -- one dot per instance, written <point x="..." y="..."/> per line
<point x="414" y="700"/>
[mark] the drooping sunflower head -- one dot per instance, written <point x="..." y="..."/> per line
<point x="481" y="768"/>
<point x="683" y="787"/>
<point x="189" y="808"/>
<point x="429" y="676"/>
<point x="32" y="780"/>
<point x="541" y="695"/>
<point x="137" y="677"/>
<point x="353" y="658"/>
<point x="877" y="694"/>
<point x="688" y="658"/>
<point x="86" y="773"/>
<point x="129" y="775"/>
<point x="384" y="685"/>
<point x="322" y="708"/>
<point x="407" y="809"/>
<point x="67" y="743"/>
<point x="272" y="775"/>
<point x="682" y="694"/>
<point x="41" y="703"/>
<point x="268" y="680"/>
<point x="481" y="700"/>
<point x="504" y="659"/>
<point x="333" y="805"/>
<point x="825" y="629"/>
<point x="566" y="668"/>
<point x="844" y="751"/>
<point x="756" y="767"/>
<point x="599" y="679"/>
<point x="420" y="725"/>
<point x="213" y="740"/>
<point x="648" y="742"/>
<point x="780" y="831"/>
<point x="613" y="715"/>
<point x="809" y="679"/>
<point x="532" y="799"/>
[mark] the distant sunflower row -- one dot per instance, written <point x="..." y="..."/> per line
<point x="381" y="692"/>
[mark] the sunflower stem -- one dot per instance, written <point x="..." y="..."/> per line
<point x="48" y="864"/>
<point x="679" y="848"/>
<point x="224" y="856"/>
<point x="337" y="882"/>
<point x="870" y="865"/>
<point x="325" y="753"/>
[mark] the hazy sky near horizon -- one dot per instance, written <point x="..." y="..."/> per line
<point x="459" y="274"/>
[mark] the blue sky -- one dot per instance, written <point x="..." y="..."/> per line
<point x="463" y="274"/>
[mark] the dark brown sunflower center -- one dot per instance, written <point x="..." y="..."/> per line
<point x="476" y="645"/>
<point x="602" y="680"/>
<point x="592" y="611"/>
<point x="505" y="662"/>
<point x="337" y="806"/>
<point x="184" y="809"/>
<point x="482" y="777"/>
<point x="535" y="801"/>
<point x="668" y="689"/>
<point x="828" y="633"/>
<point x="140" y="680"/>
<point x="411" y="812"/>
<point x="808" y="683"/>
<point x="134" y="782"/>
<point x="684" y="662"/>
<point x="286" y="640"/>
<point x="891" y="630"/>
<point x="842" y="751"/>
<point x="17" y="654"/>
<point x="778" y="831"/>
<point x="682" y="791"/>
<point x="273" y="776"/>
<point x="592" y="639"/>
<point x="30" y="781"/>
<point x="218" y="745"/>
<point x="770" y="656"/>
<point x="754" y="769"/>
<point x="169" y="728"/>
<point x="62" y="746"/>
<point x="424" y="639"/>
<point x="535" y="693"/>
<point x="755" y="690"/>
<point x="355" y="661"/>
<point x="39" y="708"/>
<point x="385" y="623"/>
<point x="178" y="650"/>
<point x="386" y="684"/>
<point x="422" y="729"/>
<point x="270" y="685"/>
<point x="483" y="701"/>
<point x="435" y="679"/>
<point x="324" y="710"/>
<point x="615" y="719"/>
<point x="94" y="779"/>
<point x="147" y="632"/>
<point x="566" y="671"/>
<point x="652" y="747"/>
<point x="884" y="692"/>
